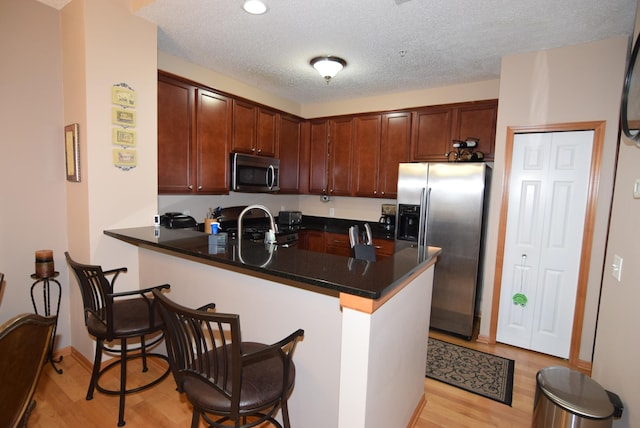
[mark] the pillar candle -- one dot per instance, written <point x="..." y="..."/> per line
<point x="44" y="263"/>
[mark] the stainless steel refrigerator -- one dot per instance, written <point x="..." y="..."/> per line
<point x="444" y="205"/>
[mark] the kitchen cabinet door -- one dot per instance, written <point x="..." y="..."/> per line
<point x="331" y="142"/>
<point x="431" y="134"/>
<point x="312" y="240"/>
<point x="289" y="147"/>
<point x="394" y="149"/>
<point x="340" y="156"/>
<point x="213" y="133"/>
<point x="244" y="127"/>
<point x="254" y="129"/>
<point x="318" y="156"/>
<point x="338" y="243"/>
<point x="477" y="120"/>
<point x="194" y="130"/>
<point x="266" y="132"/>
<point x="384" y="247"/>
<point x="176" y="169"/>
<point x="366" y="154"/>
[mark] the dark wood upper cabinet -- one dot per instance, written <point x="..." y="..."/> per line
<point x="254" y="129"/>
<point x="176" y="118"/>
<point x="478" y="120"/>
<point x="266" y="141"/>
<point x="289" y="142"/>
<point x="330" y="160"/>
<point x="213" y="133"/>
<point x="366" y="154"/>
<point x="436" y="127"/>
<point x="381" y="142"/>
<point x="244" y="127"/>
<point x="194" y="131"/>
<point x="394" y="149"/>
<point x="318" y="156"/>
<point x="340" y="156"/>
<point x="431" y="134"/>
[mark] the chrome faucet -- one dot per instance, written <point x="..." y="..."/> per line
<point x="270" y="237"/>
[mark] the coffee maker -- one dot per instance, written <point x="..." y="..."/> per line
<point x="387" y="220"/>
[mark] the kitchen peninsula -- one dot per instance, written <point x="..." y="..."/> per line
<point x="362" y="360"/>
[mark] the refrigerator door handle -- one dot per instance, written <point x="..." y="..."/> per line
<point x="421" y="221"/>
<point x="422" y="226"/>
<point x="427" y="204"/>
<point x="424" y="217"/>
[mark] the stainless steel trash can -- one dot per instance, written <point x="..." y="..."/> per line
<point x="567" y="398"/>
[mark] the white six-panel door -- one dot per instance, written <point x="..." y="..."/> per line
<point x="548" y="189"/>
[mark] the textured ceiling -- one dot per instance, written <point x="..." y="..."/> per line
<point x="389" y="45"/>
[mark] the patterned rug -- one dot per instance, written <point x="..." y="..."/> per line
<point x="475" y="371"/>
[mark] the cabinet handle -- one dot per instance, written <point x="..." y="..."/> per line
<point x="375" y="192"/>
<point x="199" y="187"/>
<point x="253" y="149"/>
<point x="259" y="150"/>
<point x="190" y="186"/>
<point x="382" y="193"/>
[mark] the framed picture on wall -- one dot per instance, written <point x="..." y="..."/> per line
<point x="123" y="96"/>
<point x="124" y="137"/>
<point x="123" y="117"/>
<point x="72" y="152"/>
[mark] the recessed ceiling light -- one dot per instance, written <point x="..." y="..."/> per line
<point x="254" y="7"/>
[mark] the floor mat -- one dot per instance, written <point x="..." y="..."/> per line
<point x="474" y="371"/>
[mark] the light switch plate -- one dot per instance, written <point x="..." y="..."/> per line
<point x="616" y="267"/>
<point x="636" y="189"/>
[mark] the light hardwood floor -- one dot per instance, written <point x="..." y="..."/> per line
<point x="61" y="398"/>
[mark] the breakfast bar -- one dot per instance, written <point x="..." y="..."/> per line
<point x="362" y="360"/>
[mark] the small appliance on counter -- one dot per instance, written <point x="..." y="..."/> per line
<point x="289" y="219"/>
<point x="387" y="220"/>
<point x="175" y="220"/>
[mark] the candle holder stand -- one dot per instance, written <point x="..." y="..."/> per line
<point x="46" y="309"/>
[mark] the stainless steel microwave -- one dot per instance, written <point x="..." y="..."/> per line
<point x="254" y="174"/>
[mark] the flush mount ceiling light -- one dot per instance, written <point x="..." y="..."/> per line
<point x="328" y="66"/>
<point x="254" y="7"/>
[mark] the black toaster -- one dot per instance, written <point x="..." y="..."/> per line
<point x="290" y="218"/>
<point x="177" y="221"/>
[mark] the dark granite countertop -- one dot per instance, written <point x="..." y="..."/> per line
<point x="339" y="225"/>
<point x="328" y="271"/>
<point x="335" y="225"/>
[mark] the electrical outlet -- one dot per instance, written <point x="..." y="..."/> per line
<point x="616" y="267"/>
<point x="332" y="212"/>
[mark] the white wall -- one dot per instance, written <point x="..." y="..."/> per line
<point x="617" y="352"/>
<point x="32" y="172"/>
<point x="104" y="45"/>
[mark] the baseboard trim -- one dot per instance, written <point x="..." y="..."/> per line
<point x="581" y="365"/>
<point x="416" y="413"/>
